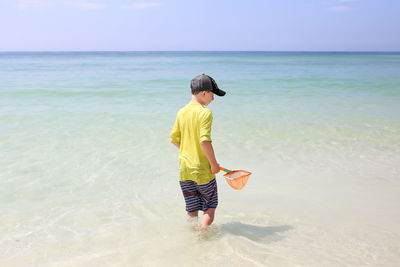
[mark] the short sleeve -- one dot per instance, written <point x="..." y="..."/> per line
<point x="175" y="136"/>
<point x="205" y="126"/>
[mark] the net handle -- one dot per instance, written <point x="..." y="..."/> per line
<point x="223" y="169"/>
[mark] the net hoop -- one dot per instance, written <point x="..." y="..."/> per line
<point x="237" y="179"/>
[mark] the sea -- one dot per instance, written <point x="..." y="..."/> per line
<point x="88" y="176"/>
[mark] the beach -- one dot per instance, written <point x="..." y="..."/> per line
<point x="88" y="176"/>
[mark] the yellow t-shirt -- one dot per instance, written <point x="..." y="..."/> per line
<point x="193" y="126"/>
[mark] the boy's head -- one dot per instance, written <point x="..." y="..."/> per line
<point x="205" y="83"/>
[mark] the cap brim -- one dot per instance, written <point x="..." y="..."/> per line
<point x="215" y="88"/>
<point x="219" y="92"/>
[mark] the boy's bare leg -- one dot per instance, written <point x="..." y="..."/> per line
<point x="192" y="216"/>
<point x="193" y="220"/>
<point x="208" y="218"/>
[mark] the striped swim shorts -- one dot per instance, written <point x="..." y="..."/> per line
<point x="199" y="196"/>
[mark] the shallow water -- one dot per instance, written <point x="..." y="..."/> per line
<point x="88" y="176"/>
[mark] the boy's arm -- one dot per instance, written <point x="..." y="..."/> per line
<point x="209" y="151"/>
<point x="175" y="136"/>
<point x="178" y="145"/>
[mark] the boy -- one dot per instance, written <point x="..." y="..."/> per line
<point x="197" y="164"/>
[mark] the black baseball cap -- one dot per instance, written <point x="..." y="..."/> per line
<point x="205" y="83"/>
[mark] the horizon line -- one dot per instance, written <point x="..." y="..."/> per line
<point x="273" y="51"/>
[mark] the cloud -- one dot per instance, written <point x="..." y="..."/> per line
<point x="142" y="5"/>
<point x="339" y="8"/>
<point x="88" y="5"/>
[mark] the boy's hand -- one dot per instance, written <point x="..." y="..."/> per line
<point x="178" y="145"/>
<point x="215" y="168"/>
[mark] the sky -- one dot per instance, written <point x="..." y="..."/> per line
<point x="207" y="25"/>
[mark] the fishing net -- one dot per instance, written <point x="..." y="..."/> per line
<point x="237" y="179"/>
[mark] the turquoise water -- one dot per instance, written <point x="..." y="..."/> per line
<point x="88" y="176"/>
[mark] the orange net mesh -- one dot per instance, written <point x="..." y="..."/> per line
<point x="237" y="179"/>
